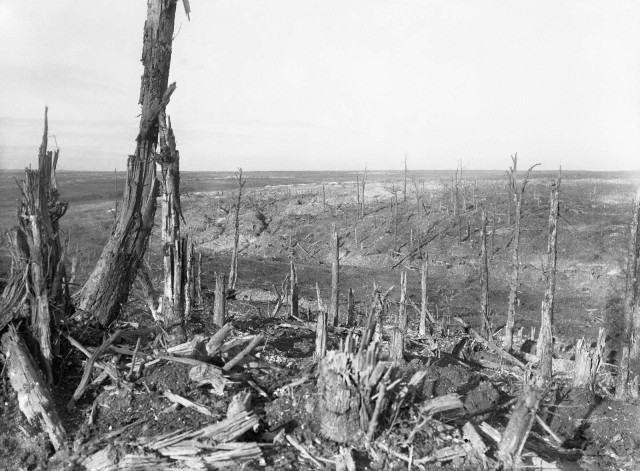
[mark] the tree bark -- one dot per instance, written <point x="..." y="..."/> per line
<point x="588" y="362"/>
<point x="631" y="309"/>
<point x="424" y="311"/>
<point x="108" y="286"/>
<point x="545" y="339"/>
<point x="400" y="328"/>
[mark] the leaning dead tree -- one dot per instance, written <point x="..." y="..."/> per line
<point x="545" y="339"/>
<point x="233" y="271"/>
<point x="518" y="197"/>
<point x="632" y="303"/>
<point x="108" y="285"/>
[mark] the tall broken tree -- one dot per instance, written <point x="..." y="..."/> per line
<point x="545" y="339"/>
<point x="233" y="271"/>
<point x="484" y="281"/>
<point x="175" y="249"/>
<point x="518" y="196"/>
<point x="107" y="288"/>
<point x="632" y="302"/>
<point x="335" y="279"/>
<point x="35" y="292"/>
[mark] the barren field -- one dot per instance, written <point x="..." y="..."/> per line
<point x="288" y="217"/>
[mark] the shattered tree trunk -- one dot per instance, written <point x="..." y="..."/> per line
<point x="335" y="280"/>
<point x="424" y="311"/>
<point x="219" y="302"/>
<point x="484" y="281"/>
<point x="233" y="271"/>
<point x="34" y="397"/>
<point x="545" y="339"/>
<point x="108" y="285"/>
<point x="174" y="248"/>
<point x="351" y="309"/>
<point x="400" y="328"/>
<point x="38" y="257"/>
<point x="588" y="362"/>
<point x="631" y="308"/>
<point x="520" y="422"/>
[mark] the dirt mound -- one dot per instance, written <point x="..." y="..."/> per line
<point x="253" y="222"/>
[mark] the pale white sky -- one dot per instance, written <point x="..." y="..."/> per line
<point x="332" y="84"/>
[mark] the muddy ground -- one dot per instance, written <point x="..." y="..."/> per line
<point x="293" y="222"/>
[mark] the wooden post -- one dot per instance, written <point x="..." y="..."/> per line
<point x="545" y="340"/>
<point x="518" y="196"/>
<point x="220" y="301"/>
<point x="293" y="292"/>
<point x="335" y="279"/>
<point x="631" y="311"/>
<point x="484" y="281"/>
<point x="588" y="362"/>
<point x="107" y="288"/>
<point x="233" y="271"/>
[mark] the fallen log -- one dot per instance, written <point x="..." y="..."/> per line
<point x="34" y="396"/>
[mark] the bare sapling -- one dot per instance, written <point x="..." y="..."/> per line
<point x="484" y="281"/>
<point x="107" y="288"/>
<point x="514" y="282"/>
<point x="400" y="327"/>
<point x="220" y="301"/>
<point x="335" y="279"/>
<point x="632" y="301"/>
<point x="233" y="271"/>
<point x="545" y="338"/>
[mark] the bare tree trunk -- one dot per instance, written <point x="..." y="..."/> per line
<point x="324" y="199"/>
<point x="293" y="292"/>
<point x="400" y="328"/>
<point x="335" y="280"/>
<point x="545" y="340"/>
<point x="351" y="309"/>
<point x="220" y="302"/>
<point x="404" y="187"/>
<point x="233" y="272"/>
<point x="631" y="302"/>
<point x="424" y="310"/>
<point x="108" y="286"/>
<point x="484" y="281"/>
<point x="321" y="330"/>
<point x="514" y="282"/>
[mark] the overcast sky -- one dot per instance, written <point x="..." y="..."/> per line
<point x="336" y="85"/>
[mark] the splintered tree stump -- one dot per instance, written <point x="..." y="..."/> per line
<point x="34" y="396"/>
<point x="347" y="383"/>
<point x="588" y="362"/>
<point x="400" y="328"/>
